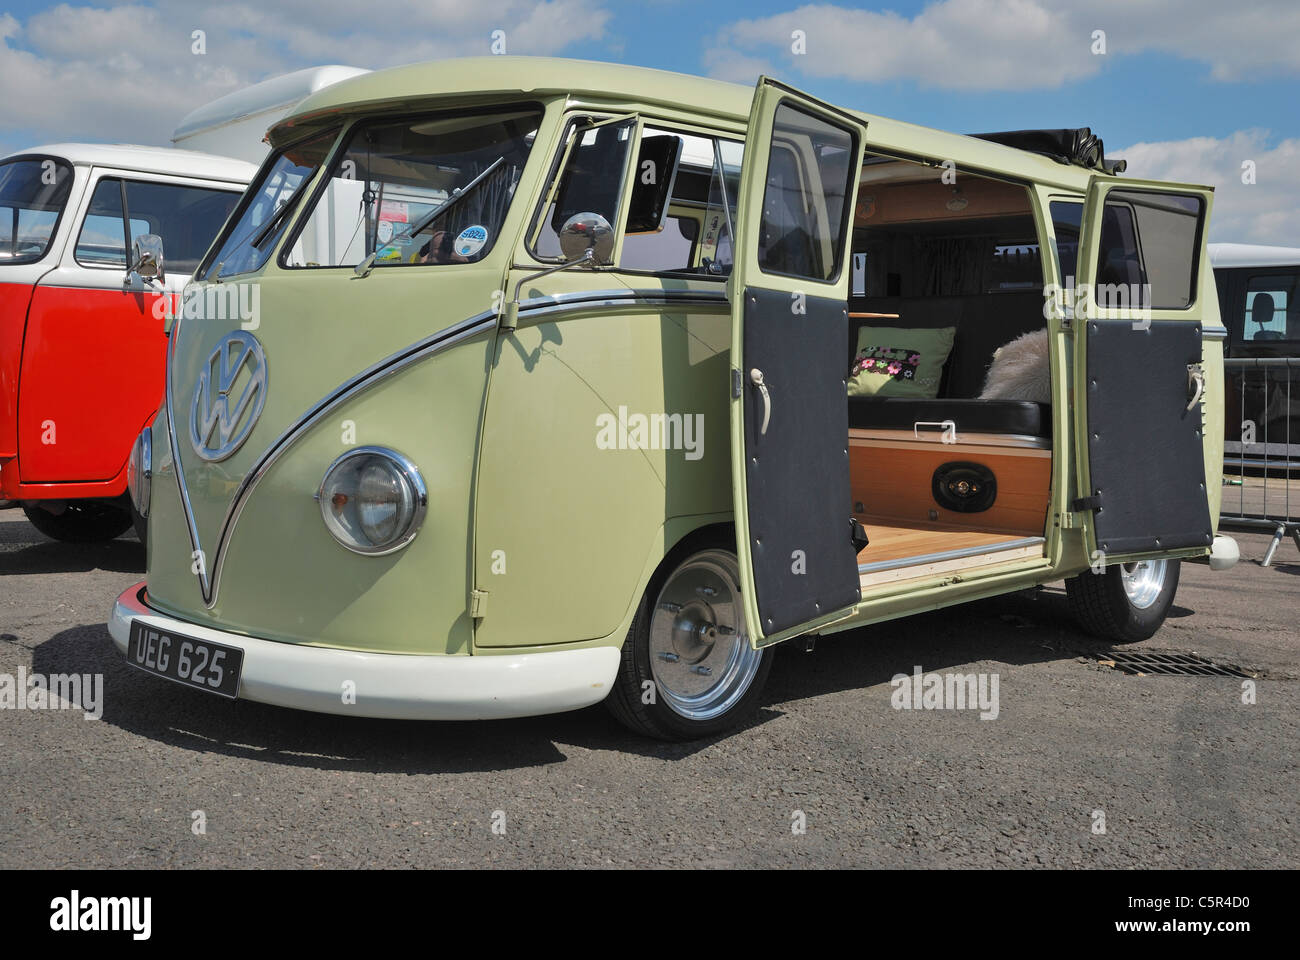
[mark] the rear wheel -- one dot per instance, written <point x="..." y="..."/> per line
<point x="1126" y="602"/>
<point x="688" y="670"/>
<point x="81" y="521"/>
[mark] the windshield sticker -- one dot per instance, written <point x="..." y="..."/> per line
<point x="385" y="231"/>
<point x="471" y="240"/>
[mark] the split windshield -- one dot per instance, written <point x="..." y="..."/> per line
<point x="432" y="189"/>
<point x="32" y="196"/>
<point x="267" y="209"/>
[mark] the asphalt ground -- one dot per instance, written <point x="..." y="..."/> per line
<point x="1084" y="766"/>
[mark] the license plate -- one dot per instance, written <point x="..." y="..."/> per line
<point x="209" y="666"/>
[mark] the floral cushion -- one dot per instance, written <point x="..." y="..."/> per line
<point x="899" y="361"/>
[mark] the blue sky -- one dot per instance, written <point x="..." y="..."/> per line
<point x="1185" y="89"/>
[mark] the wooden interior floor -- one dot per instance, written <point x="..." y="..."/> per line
<point x="892" y="542"/>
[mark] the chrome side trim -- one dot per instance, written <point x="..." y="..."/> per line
<point x="596" y="298"/>
<point x="204" y="587"/>
<point x="949" y="555"/>
<point x="1214" y="333"/>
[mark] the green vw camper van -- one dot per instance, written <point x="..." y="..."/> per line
<point x="574" y="382"/>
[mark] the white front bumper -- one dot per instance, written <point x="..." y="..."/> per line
<point x="395" y="685"/>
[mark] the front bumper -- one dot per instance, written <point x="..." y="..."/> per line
<point x="392" y="685"/>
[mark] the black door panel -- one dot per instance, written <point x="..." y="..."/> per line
<point x="797" y="473"/>
<point x="1145" y="452"/>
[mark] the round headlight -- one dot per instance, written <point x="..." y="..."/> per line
<point x="373" y="500"/>
<point x="139" y="472"/>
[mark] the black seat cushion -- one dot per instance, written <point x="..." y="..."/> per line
<point x="1019" y="417"/>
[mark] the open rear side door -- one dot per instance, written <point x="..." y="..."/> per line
<point x="789" y="413"/>
<point x="1143" y="287"/>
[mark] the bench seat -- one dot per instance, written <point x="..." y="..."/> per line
<point x="1014" y="417"/>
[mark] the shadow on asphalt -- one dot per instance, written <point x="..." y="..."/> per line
<point x="39" y="554"/>
<point x="1015" y="629"/>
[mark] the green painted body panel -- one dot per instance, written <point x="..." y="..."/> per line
<point x="564" y="520"/>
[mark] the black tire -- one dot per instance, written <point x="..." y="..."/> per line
<point x="658" y="718"/>
<point x="1103" y="606"/>
<point x="82" y="521"/>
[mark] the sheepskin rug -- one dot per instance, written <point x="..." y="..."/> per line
<point x="1020" y="370"/>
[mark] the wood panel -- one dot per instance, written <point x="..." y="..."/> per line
<point x="891" y="541"/>
<point x="974" y="197"/>
<point x="891" y="479"/>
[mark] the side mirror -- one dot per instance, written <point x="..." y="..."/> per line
<point x="586" y="240"/>
<point x="147" y="259"/>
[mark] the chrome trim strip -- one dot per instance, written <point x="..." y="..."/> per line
<point x="597" y="298"/>
<point x="178" y="468"/>
<point x="1214" y="333"/>
<point x="949" y="555"/>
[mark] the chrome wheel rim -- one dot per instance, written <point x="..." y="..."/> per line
<point x="700" y="655"/>
<point x="1143" y="581"/>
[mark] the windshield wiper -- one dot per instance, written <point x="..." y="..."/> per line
<point x="455" y="198"/>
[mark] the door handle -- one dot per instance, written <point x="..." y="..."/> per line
<point x="756" y="378"/>
<point x="1195" y="382"/>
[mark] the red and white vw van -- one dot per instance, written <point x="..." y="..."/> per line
<point x="81" y="346"/>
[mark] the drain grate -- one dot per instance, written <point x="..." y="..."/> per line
<point x="1167" y="665"/>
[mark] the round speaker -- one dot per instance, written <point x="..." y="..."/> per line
<point x="964" y="487"/>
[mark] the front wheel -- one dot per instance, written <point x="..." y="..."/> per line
<point x="82" y="521"/>
<point x="688" y="670"/>
<point x="1126" y="602"/>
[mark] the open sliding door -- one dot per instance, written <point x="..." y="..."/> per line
<point x="789" y="415"/>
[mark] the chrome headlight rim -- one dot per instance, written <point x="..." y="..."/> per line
<point x="409" y="473"/>
<point x="139" y="471"/>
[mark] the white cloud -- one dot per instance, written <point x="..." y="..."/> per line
<point x="127" y="72"/>
<point x="1014" y="44"/>
<point x="1267" y="211"/>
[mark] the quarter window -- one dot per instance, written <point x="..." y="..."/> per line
<point x="266" y="208"/>
<point x="695" y="236"/>
<point x="591" y="180"/>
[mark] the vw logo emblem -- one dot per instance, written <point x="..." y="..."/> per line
<point x="227" y="402"/>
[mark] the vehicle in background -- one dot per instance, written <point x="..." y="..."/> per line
<point x="1258" y="303"/>
<point x="235" y="125"/>
<point x="82" y="347"/>
<point x="81" y="344"/>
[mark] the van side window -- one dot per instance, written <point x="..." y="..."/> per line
<point x="1149" y="239"/>
<point x="186" y="217"/>
<point x="695" y="235"/>
<point x="1067" y="218"/>
<point x="591" y="181"/>
<point x="806" y="200"/>
<point x="1272" y="312"/>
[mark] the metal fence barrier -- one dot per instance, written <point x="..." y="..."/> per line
<point x="1261" y="448"/>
